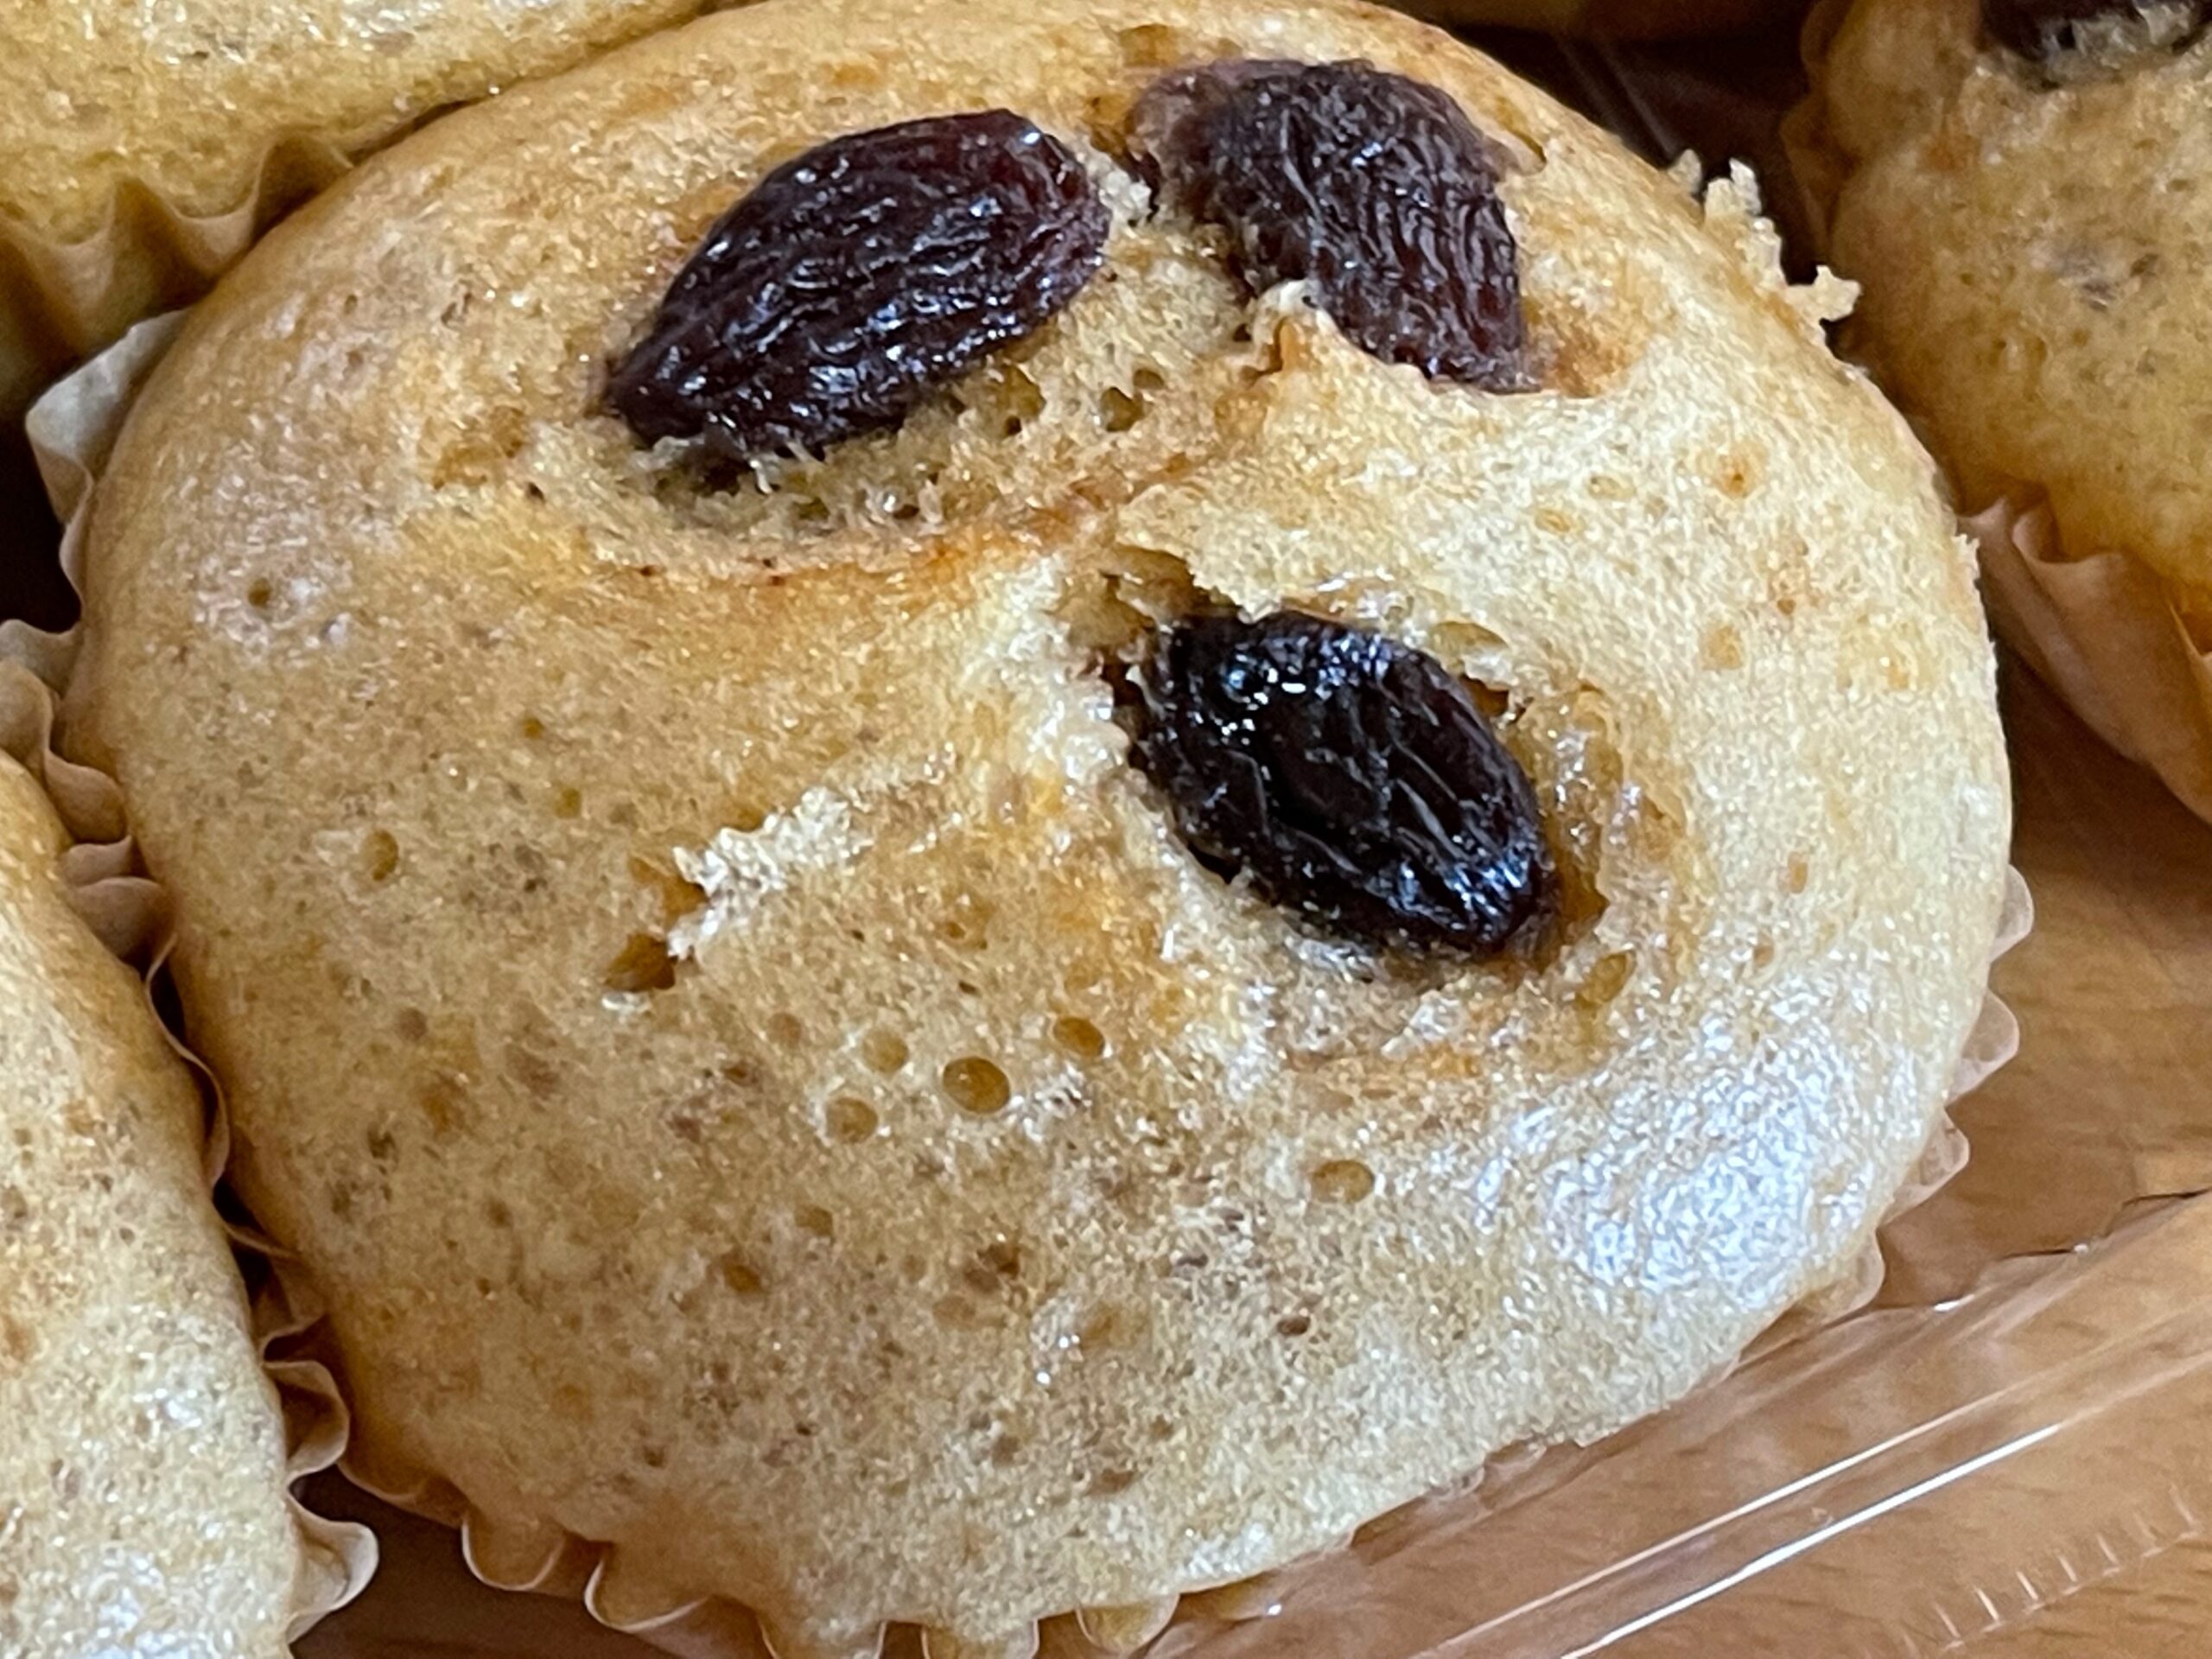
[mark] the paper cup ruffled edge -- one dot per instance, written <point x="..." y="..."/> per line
<point x="126" y="911"/>
<point x="72" y="430"/>
<point x="61" y="301"/>
<point x="2103" y="631"/>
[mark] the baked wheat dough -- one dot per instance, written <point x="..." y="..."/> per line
<point x="142" y="1507"/>
<point x="185" y="99"/>
<point x="764" y="1086"/>
<point x="2033" y="239"/>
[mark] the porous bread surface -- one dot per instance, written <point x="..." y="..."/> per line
<point x="2033" y="258"/>
<point x="186" y="97"/>
<point x="978" y="1208"/>
<point x="142" y="1507"/>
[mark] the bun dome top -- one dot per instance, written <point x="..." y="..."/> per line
<point x="718" y="972"/>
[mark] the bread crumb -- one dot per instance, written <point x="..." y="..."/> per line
<point x="738" y="868"/>
<point x="1732" y="217"/>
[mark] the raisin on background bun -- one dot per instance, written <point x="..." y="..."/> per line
<point x="985" y="808"/>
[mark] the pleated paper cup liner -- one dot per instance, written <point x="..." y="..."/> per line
<point x="72" y="430"/>
<point x="105" y="886"/>
<point x="61" y="301"/>
<point x="2107" y="634"/>
<point x="2097" y="625"/>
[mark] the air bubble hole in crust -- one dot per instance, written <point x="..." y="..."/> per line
<point x="1609" y="976"/>
<point x="1111" y="1326"/>
<point x="1119" y="410"/>
<point x="1079" y="1036"/>
<point x="740" y="1275"/>
<point x="1149" y="45"/>
<point x="380" y="854"/>
<point x="851" y="1120"/>
<point x="968" y="924"/>
<point x="642" y="964"/>
<point x="1023" y="400"/>
<point x="977" y="1085"/>
<point x="1342" y="1180"/>
<point x="999" y="1261"/>
<point x="883" y="1051"/>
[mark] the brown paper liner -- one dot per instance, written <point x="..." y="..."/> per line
<point x="72" y="430"/>
<point x="2103" y="631"/>
<point x="105" y="884"/>
<point x="1817" y="166"/>
<point x="2097" y="626"/>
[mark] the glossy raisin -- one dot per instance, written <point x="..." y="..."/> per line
<point x="859" y="277"/>
<point x="1351" y="776"/>
<point x="2043" y="30"/>
<point x="1374" y="188"/>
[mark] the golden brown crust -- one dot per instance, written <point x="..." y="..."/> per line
<point x="142" y="1506"/>
<point x="721" y="1272"/>
<point x="2033" y="259"/>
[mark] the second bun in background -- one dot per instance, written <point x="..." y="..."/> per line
<point x="2025" y="193"/>
<point x="143" y="148"/>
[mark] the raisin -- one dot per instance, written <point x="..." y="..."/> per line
<point x="859" y="277"/>
<point x="2046" y="30"/>
<point x="1352" y="778"/>
<point x="1374" y="188"/>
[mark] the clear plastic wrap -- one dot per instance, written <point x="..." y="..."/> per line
<point x="1915" y="1481"/>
